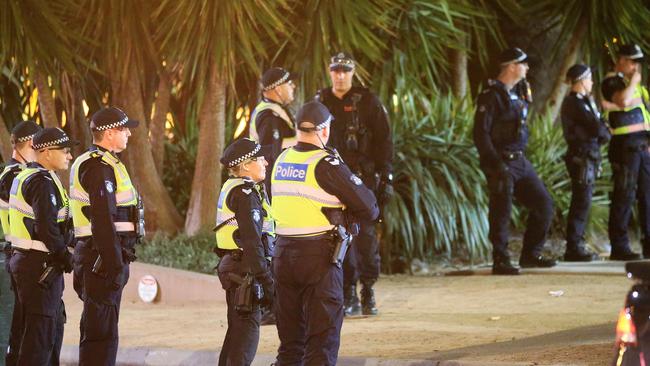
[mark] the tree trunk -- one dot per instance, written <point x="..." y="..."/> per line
<point x="46" y="103"/>
<point x="5" y="141"/>
<point x="157" y="135"/>
<point x="161" y="214"/>
<point x="76" y="124"/>
<point x="554" y="101"/>
<point x="207" y="179"/>
<point x="458" y="72"/>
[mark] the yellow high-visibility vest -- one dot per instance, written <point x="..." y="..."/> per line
<point x="125" y="193"/>
<point x="298" y="199"/>
<point x="22" y="235"/>
<point x="4" y="205"/>
<point x="635" y="118"/>
<point x="225" y="234"/>
<point x="278" y="111"/>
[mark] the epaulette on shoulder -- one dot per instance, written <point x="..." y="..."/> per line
<point x="332" y="159"/>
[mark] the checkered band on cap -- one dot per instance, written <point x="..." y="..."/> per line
<point x="279" y="82"/>
<point x="51" y="143"/>
<point x="112" y="125"/>
<point x="584" y="75"/>
<point x="25" y="138"/>
<point x="244" y="157"/>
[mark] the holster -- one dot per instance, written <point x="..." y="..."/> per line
<point x="342" y="240"/>
<point x="137" y="215"/>
<point x="247" y="294"/>
<point x="587" y="169"/>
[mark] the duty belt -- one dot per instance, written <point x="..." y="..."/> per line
<point x="512" y="155"/>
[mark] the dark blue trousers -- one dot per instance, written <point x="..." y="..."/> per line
<point x="101" y="310"/>
<point x="581" y="194"/>
<point x="362" y="260"/>
<point x="631" y="175"/>
<point x="43" y="312"/>
<point x="14" y="314"/>
<point x="309" y="308"/>
<point x="524" y="185"/>
<point x="243" y="334"/>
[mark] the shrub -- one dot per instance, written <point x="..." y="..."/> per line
<point x="192" y="253"/>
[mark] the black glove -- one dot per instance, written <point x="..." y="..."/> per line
<point x="266" y="281"/>
<point x="61" y="259"/>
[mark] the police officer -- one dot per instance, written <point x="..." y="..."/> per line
<point x="584" y="132"/>
<point x="627" y="112"/>
<point x="40" y="234"/>
<point x="361" y="134"/>
<point x="21" y="141"/>
<point x="107" y="225"/>
<point x="311" y="188"/>
<point x="271" y="122"/>
<point x="501" y="136"/>
<point x="243" y="232"/>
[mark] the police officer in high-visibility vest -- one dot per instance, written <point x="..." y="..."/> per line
<point x="244" y="233"/>
<point x="316" y="198"/>
<point x="361" y="134"/>
<point x="271" y="123"/>
<point x="107" y="215"/>
<point x="40" y="235"/>
<point x="626" y="109"/>
<point x="501" y="136"/>
<point x="12" y="320"/>
<point x="584" y="131"/>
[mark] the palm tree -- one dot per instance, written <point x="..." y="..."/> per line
<point x="215" y="41"/>
<point x="586" y="28"/>
<point x="125" y="50"/>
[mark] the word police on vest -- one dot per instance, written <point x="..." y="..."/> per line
<point x="289" y="171"/>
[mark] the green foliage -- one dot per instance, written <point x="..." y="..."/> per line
<point x="192" y="253"/>
<point x="439" y="205"/>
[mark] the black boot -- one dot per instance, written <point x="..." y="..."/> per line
<point x="502" y="266"/>
<point x="351" y="301"/>
<point x="368" y="306"/>
<point x="578" y="253"/>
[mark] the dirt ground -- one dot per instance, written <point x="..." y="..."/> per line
<point x="479" y="318"/>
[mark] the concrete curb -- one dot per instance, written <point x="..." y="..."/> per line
<point x="173" y="357"/>
<point x="601" y="268"/>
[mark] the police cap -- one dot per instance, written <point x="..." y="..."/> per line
<point x="512" y="55"/>
<point x="240" y="151"/>
<point x="313" y="116"/>
<point x="342" y="61"/>
<point x="111" y="117"/>
<point x="577" y="72"/>
<point x="52" y="137"/>
<point x="24" y="131"/>
<point x="274" y="77"/>
<point x="631" y="51"/>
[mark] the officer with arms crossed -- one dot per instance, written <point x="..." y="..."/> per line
<point x="243" y="228"/>
<point x="108" y="222"/>
<point x="361" y="134"/>
<point x="40" y="234"/>
<point x="271" y="122"/>
<point x="584" y="132"/>
<point x="501" y="136"/>
<point x="629" y="119"/>
<point x="315" y="199"/>
<point x="21" y="141"/>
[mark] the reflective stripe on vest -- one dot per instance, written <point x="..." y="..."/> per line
<point x="280" y="112"/>
<point x="4" y="205"/>
<point x="635" y="118"/>
<point x="19" y="210"/>
<point x="224" y="236"/>
<point x="298" y="199"/>
<point x="125" y="193"/>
